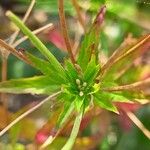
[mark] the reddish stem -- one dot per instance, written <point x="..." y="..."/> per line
<point x="64" y="29"/>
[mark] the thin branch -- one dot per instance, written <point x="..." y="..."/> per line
<point x="14" y="52"/>
<point x="23" y="20"/>
<point x="64" y="29"/>
<point x="133" y="49"/>
<point x="112" y="58"/>
<point x="80" y="18"/>
<point x="119" y="54"/>
<point x="133" y="86"/>
<point x="27" y="113"/>
<point x="4" y="78"/>
<point x="37" y="31"/>
<point x="138" y="123"/>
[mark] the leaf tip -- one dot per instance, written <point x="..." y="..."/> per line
<point x="100" y="16"/>
<point x="8" y="13"/>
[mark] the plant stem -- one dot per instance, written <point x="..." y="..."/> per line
<point x="27" y="14"/>
<point x="132" y="86"/>
<point x="64" y="29"/>
<point x="4" y="78"/>
<point x="80" y="18"/>
<point x="74" y="132"/>
<point x="37" y="31"/>
<point x="131" y="50"/>
<point x="14" y="51"/>
<point x="121" y="53"/>
<point x="139" y="124"/>
<point x="28" y="112"/>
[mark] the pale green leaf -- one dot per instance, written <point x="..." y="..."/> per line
<point x="34" y="85"/>
<point x="104" y="101"/>
<point x="78" y="103"/>
<point x="86" y="50"/>
<point x="91" y="71"/>
<point x="68" y="108"/>
<point x="74" y="133"/>
<point x="71" y="71"/>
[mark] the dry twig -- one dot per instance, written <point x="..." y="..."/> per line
<point x="139" y="124"/>
<point x="27" y="14"/>
<point x="28" y="112"/>
<point x="14" y="52"/>
<point x="133" y="86"/>
<point x="37" y="31"/>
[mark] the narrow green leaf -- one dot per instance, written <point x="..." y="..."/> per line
<point x="104" y="101"/>
<point x="36" y="42"/>
<point x="68" y="108"/>
<point x="86" y="50"/>
<point x="118" y="98"/>
<point x="91" y="70"/>
<point x="34" y="85"/>
<point x="46" y="68"/>
<point x="74" y="133"/>
<point x="78" y="103"/>
<point x="71" y="71"/>
<point x="91" y="41"/>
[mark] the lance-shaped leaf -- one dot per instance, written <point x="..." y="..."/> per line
<point x="91" y="41"/>
<point x="34" y="85"/>
<point x="74" y="133"/>
<point x="91" y="70"/>
<point x="78" y="103"/>
<point x="45" y="68"/>
<point x="117" y="97"/>
<point x="68" y="108"/>
<point x="37" y="43"/>
<point x="86" y="50"/>
<point x="104" y="101"/>
<point x="71" y="71"/>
